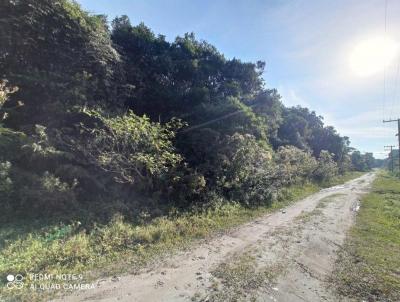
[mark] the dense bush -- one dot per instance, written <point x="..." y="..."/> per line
<point x="5" y="183"/>
<point x="362" y="162"/>
<point x="132" y="148"/>
<point x="59" y="56"/>
<point x="295" y="165"/>
<point x="326" y="168"/>
<point x="44" y="194"/>
<point x="118" y="119"/>
<point x="244" y="169"/>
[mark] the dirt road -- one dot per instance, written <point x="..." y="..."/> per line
<point x="284" y="256"/>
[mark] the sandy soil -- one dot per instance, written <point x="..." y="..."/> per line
<point x="302" y="238"/>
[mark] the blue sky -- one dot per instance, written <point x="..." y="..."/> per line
<point x="307" y="46"/>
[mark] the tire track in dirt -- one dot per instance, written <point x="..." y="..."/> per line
<point x="302" y="240"/>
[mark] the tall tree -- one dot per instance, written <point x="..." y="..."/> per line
<point x="59" y="56"/>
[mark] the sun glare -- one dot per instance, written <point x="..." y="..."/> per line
<point x="368" y="57"/>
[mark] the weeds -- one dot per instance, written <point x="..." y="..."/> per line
<point x="241" y="278"/>
<point x="368" y="267"/>
<point x="119" y="246"/>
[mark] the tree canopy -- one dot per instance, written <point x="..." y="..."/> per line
<point x="92" y="115"/>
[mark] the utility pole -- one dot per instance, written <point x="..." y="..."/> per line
<point x="391" y="157"/>
<point x="398" y="135"/>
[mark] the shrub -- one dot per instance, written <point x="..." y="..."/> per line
<point x="294" y="164"/>
<point x="6" y="184"/>
<point x="43" y="194"/>
<point x="327" y="167"/>
<point x="5" y="91"/>
<point x="245" y="170"/>
<point x="132" y="148"/>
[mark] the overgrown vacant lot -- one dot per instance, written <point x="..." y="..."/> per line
<point x="118" y="145"/>
<point x="369" y="266"/>
<point x="120" y="246"/>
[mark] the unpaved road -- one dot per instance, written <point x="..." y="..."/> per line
<point x="296" y="247"/>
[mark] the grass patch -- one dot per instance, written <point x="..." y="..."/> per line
<point x="51" y="248"/>
<point x="240" y="279"/>
<point x="343" y="178"/>
<point x="369" y="265"/>
<point x="323" y="203"/>
<point x="306" y="216"/>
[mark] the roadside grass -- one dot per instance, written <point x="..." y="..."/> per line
<point x="368" y="267"/>
<point x="343" y="178"/>
<point x="43" y="247"/>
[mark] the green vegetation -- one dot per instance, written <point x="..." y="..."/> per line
<point x="56" y="248"/>
<point x="119" y="246"/>
<point x="115" y="141"/>
<point x="120" y="121"/>
<point x="343" y="178"/>
<point x="369" y="265"/>
<point x="325" y="201"/>
<point x="240" y="279"/>
<point x="306" y="216"/>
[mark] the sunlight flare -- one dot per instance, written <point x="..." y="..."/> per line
<point x="369" y="56"/>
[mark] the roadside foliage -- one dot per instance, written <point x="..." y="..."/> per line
<point x="368" y="265"/>
<point x="98" y="115"/>
<point x="99" y="122"/>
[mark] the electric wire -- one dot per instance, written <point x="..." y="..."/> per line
<point x="393" y="110"/>
<point x="384" y="65"/>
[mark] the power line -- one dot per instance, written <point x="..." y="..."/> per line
<point x="386" y="6"/>
<point x="384" y="65"/>
<point x="398" y="134"/>
<point x="396" y="86"/>
<point x="390" y="156"/>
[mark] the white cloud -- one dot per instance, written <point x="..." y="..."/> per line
<point x="290" y="98"/>
<point x="364" y="126"/>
